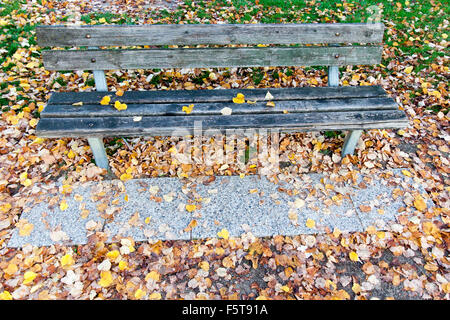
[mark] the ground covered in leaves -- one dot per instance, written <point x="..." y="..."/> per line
<point x="408" y="259"/>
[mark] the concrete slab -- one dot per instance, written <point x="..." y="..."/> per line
<point x="149" y="209"/>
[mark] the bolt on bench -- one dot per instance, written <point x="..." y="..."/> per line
<point x="160" y="112"/>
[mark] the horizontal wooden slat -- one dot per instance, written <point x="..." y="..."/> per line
<point x="172" y="126"/>
<point x="219" y="95"/>
<point x="214" y="108"/>
<point x="210" y="57"/>
<point x="220" y="34"/>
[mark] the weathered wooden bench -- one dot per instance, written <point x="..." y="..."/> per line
<point x="160" y="112"/>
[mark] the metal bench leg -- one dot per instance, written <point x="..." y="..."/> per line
<point x="351" y="140"/>
<point x="98" y="149"/>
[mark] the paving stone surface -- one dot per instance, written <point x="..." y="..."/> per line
<point x="150" y="209"/>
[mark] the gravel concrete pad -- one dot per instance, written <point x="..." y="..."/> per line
<point x="164" y="208"/>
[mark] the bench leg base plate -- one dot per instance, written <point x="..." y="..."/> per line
<point x="351" y="140"/>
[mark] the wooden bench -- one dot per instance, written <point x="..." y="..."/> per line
<point x="160" y="112"/>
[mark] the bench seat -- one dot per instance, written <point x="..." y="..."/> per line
<point x="159" y="113"/>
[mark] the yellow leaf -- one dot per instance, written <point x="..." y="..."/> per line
<point x="147" y="220"/>
<point x="420" y="203"/>
<point x="190" y="207"/>
<point x="67" y="260"/>
<point x="139" y="294"/>
<point x="285" y="288"/>
<point x="223" y="234"/>
<point x="27" y="182"/>
<point x="5" y="295"/>
<point x="105" y="279"/>
<point x="155" y="296"/>
<point x="154" y="275"/>
<point x="204" y="265"/>
<point x="126" y="177"/>
<point x="240" y="98"/>
<point x="28" y="277"/>
<point x="33" y="122"/>
<point x="406" y="173"/>
<point x="119" y="93"/>
<point x="353" y="256"/>
<point x="123" y="265"/>
<point x="102" y="20"/>
<point x="63" y="205"/>
<point x="25" y="229"/>
<point x="270" y="104"/>
<point x="38" y="141"/>
<point x="188" y="109"/>
<point x="77" y="103"/>
<point x="120" y="106"/>
<point x="71" y="154"/>
<point x="381" y="235"/>
<point x="11" y="269"/>
<point x="310" y="223"/>
<point x="23" y="176"/>
<point x="191" y="225"/>
<point x="5" y="207"/>
<point x="356" y="288"/>
<point x="408" y="70"/>
<point x="113" y="254"/>
<point x="105" y="100"/>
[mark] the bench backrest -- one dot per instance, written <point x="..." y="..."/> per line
<point x="260" y="53"/>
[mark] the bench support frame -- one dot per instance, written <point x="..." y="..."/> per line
<point x="352" y="138"/>
<point x="96" y="143"/>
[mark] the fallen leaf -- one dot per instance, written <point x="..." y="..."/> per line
<point x="105" y="100"/>
<point x="223" y="234"/>
<point x="240" y="98"/>
<point x="106" y="279"/>
<point x="226" y="111"/>
<point x="28" y="277"/>
<point x="310" y="223"/>
<point x="187" y="109"/>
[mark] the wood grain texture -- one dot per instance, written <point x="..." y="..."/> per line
<point x="214" y="108"/>
<point x="172" y="126"/>
<point x="210" y="57"/>
<point x="219" y="34"/>
<point x="220" y="95"/>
